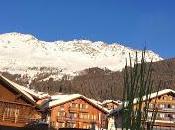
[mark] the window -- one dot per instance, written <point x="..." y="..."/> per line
<point x="91" y="117"/>
<point x="170" y="115"/>
<point x="83" y="106"/>
<point x="86" y="126"/>
<point x="74" y="105"/>
<point x="162" y="115"/>
<point x="61" y="113"/>
<point x="173" y="98"/>
<point x="53" y="123"/>
<point x="95" y="117"/>
<point x="150" y="105"/>
<point x="161" y="105"/>
<point x="164" y="98"/>
<point x="169" y="106"/>
<point x="84" y="115"/>
<point x="173" y="115"/>
<point x="158" y="114"/>
<point x="61" y="124"/>
<point x="172" y="106"/>
<point x="72" y="115"/>
<point x="149" y="114"/>
<point x="71" y="125"/>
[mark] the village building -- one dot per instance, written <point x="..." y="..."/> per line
<point x="162" y="101"/>
<point x="17" y="104"/>
<point x="75" y="111"/>
<point x="111" y="104"/>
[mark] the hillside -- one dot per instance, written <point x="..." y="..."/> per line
<point x="104" y="84"/>
<point x="91" y="68"/>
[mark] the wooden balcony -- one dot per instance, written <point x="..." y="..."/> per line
<point x="164" y="110"/>
<point x="72" y="109"/>
<point x="83" y="110"/>
<point x="15" y="114"/>
<point x="77" y="119"/>
<point x="161" y="123"/>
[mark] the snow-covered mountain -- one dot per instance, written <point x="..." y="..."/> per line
<point x="26" y="55"/>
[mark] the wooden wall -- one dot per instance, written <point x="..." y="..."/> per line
<point x="77" y="114"/>
<point x="111" y="105"/>
<point x="15" y="110"/>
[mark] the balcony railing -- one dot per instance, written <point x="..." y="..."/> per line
<point x="67" y="118"/>
<point x="21" y="121"/>
<point x="15" y="113"/>
<point x="83" y="110"/>
<point x="166" y="110"/>
<point x="74" y="109"/>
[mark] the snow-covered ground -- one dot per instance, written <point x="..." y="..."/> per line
<point x="26" y="55"/>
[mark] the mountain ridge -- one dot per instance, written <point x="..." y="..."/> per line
<point x="26" y="55"/>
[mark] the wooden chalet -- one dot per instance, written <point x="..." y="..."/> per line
<point x="163" y="101"/>
<point x="111" y="104"/>
<point x="74" y="111"/>
<point x="17" y="106"/>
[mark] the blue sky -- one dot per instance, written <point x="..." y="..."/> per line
<point x="134" y="23"/>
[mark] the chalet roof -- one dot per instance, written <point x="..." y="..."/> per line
<point x="61" y="99"/>
<point x="155" y="94"/>
<point x="17" y="88"/>
<point x="109" y="101"/>
<point x="35" y="94"/>
<point x="29" y="94"/>
<point x="151" y="96"/>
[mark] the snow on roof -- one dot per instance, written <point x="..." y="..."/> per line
<point x="95" y="101"/>
<point x="99" y="104"/>
<point x="34" y="93"/>
<point x="155" y="94"/>
<point x="152" y="95"/>
<point x="61" y="96"/>
<point x="109" y="101"/>
<point x="31" y="92"/>
<point x="18" y="88"/>
<point x="60" y="99"/>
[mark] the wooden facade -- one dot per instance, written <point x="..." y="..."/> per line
<point x="111" y="104"/>
<point x="165" y="105"/>
<point x="163" y="102"/>
<point x="77" y="113"/>
<point x="15" y="108"/>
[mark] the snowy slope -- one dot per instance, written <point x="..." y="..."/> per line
<point x="26" y="55"/>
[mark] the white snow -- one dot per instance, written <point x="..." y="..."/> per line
<point x="62" y="98"/>
<point x="109" y="101"/>
<point x="150" y="96"/>
<point x="26" y="55"/>
<point x="155" y="94"/>
<point x="18" y="88"/>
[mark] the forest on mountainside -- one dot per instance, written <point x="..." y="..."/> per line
<point x="98" y="83"/>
